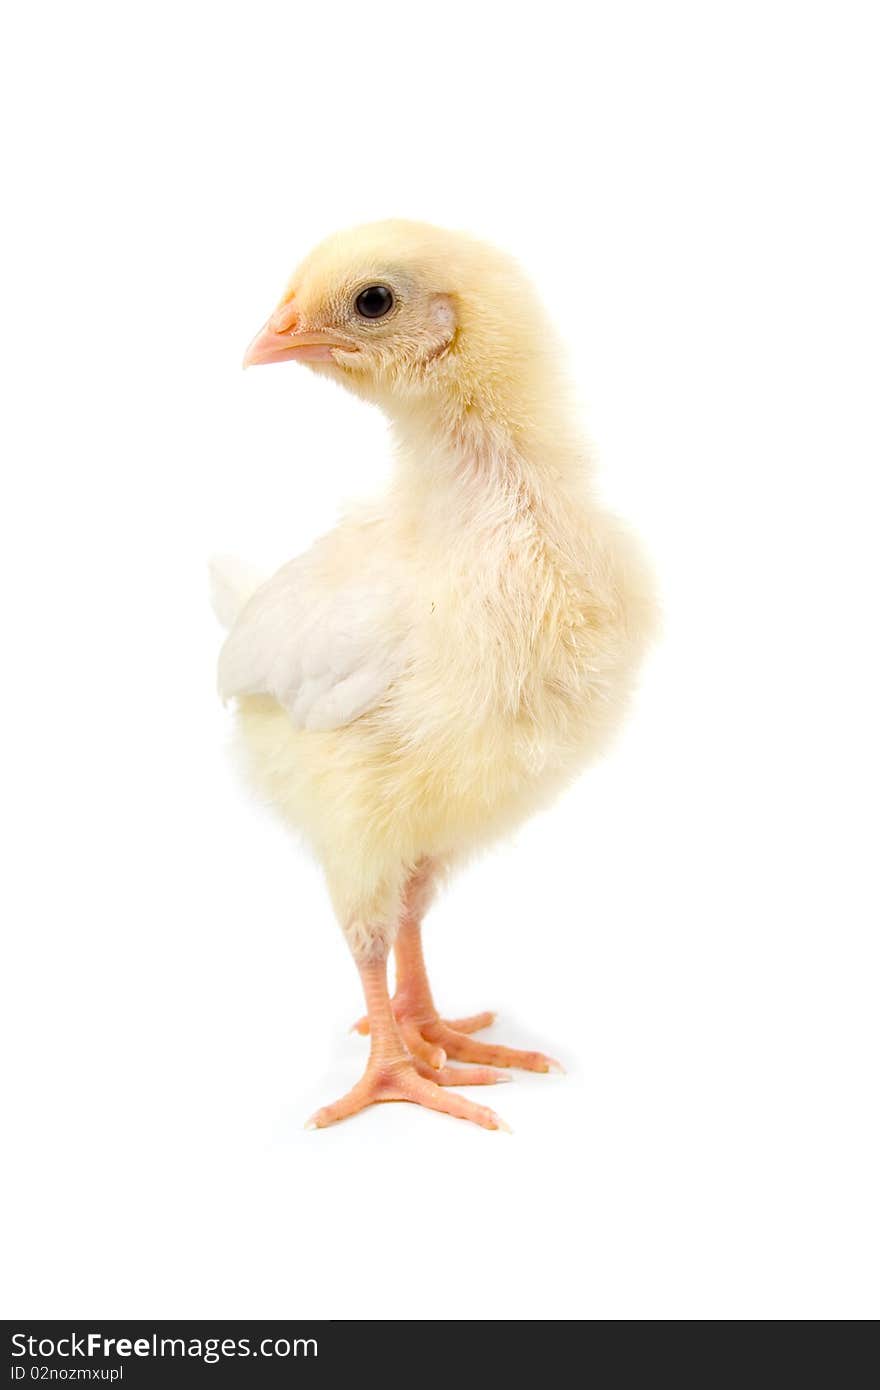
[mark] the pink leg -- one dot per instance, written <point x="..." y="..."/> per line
<point x="427" y="1035"/>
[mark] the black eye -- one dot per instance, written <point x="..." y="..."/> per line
<point x="374" y="302"/>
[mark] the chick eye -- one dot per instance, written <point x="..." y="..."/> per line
<point x="374" y="302"/>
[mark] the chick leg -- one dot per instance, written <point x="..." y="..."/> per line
<point x="426" y="1034"/>
<point x="392" y="1074"/>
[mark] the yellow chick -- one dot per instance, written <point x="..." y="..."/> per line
<point x="444" y="661"/>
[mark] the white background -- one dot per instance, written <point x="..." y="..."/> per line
<point x="693" y="929"/>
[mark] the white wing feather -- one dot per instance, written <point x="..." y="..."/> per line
<point x="326" y="646"/>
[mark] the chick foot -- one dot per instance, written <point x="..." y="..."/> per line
<point x="392" y="1074"/>
<point x="436" y="1040"/>
<point x="404" y="1079"/>
<point x="410" y="1023"/>
<point x="459" y="1046"/>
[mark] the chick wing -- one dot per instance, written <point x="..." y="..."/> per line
<point x="326" y="642"/>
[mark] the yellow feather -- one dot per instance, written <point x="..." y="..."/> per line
<point x="527" y="607"/>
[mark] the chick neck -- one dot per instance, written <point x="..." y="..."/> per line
<point x="468" y="453"/>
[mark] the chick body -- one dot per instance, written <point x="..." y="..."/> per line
<point x="524" y="620"/>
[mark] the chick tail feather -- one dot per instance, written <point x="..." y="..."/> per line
<point x="232" y="582"/>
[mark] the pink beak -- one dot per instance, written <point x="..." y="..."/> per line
<point x="281" y="340"/>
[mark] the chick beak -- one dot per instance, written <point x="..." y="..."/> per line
<point x="282" y="340"/>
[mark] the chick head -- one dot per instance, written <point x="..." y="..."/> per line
<point x="402" y="311"/>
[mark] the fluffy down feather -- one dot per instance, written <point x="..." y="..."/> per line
<point x="324" y="638"/>
<point x="434" y="670"/>
<point x="232" y="582"/>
